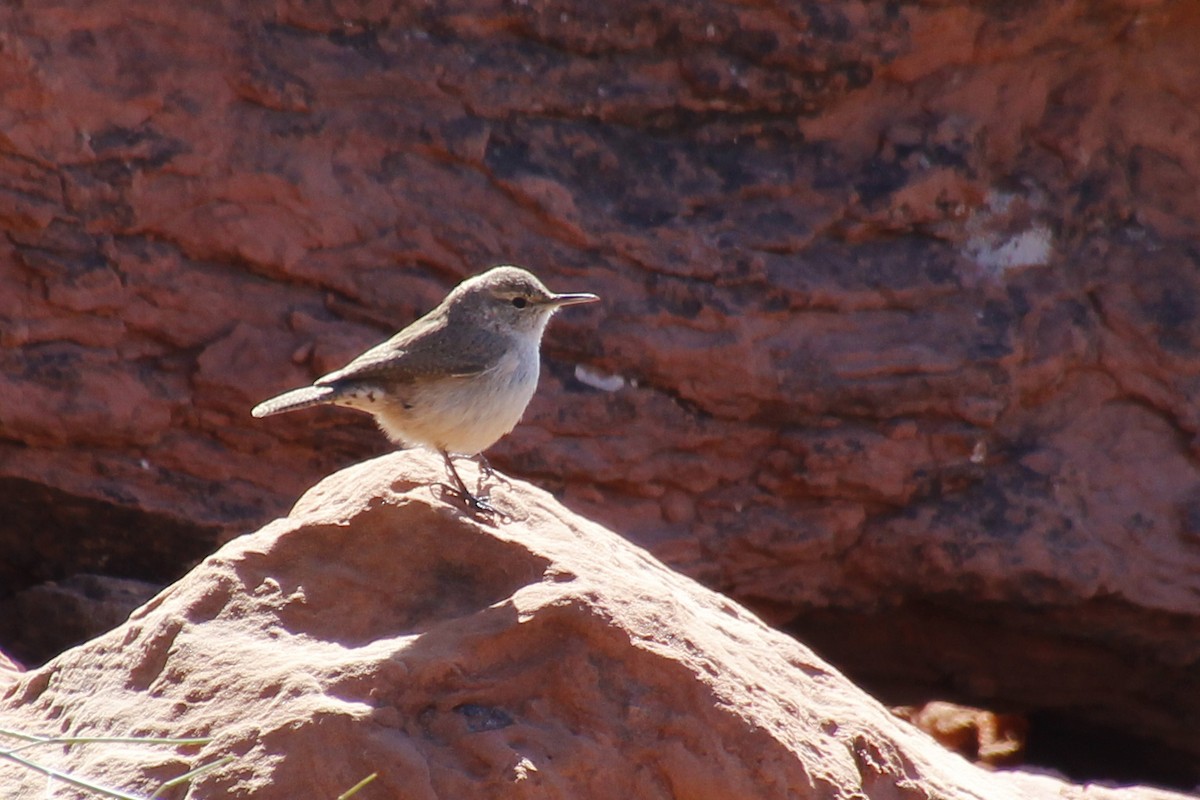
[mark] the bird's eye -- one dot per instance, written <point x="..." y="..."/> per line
<point x="519" y="302"/>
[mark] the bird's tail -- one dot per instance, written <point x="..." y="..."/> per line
<point x="293" y="400"/>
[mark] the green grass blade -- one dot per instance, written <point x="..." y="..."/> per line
<point x="66" y="777"/>
<point x="354" y="789"/>
<point x="34" y="741"/>
<point x="195" y="773"/>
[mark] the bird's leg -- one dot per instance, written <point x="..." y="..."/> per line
<point x="475" y="503"/>
<point x="488" y="472"/>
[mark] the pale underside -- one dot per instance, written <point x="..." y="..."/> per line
<point x="462" y="414"/>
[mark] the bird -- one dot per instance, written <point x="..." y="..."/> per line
<point x="454" y="381"/>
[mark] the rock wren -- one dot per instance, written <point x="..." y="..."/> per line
<point x="458" y="378"/>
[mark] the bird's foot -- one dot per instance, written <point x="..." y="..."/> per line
<point x="475" y="504"/>
<point x="472" y="502"/>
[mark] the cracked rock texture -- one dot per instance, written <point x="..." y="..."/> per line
<point x="900" y="321"/>
<point x="377" y="629"/>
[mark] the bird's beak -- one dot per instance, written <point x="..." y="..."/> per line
<point x="560" y="300"/>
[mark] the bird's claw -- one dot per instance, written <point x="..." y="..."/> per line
<point x="474" y="504"/>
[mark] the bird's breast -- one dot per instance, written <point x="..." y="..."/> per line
<point x="467" y="414"/>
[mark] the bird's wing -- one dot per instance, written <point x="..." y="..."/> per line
<point x="420" y="351"/>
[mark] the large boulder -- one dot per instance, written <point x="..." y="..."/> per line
<point x="380" y="629"/>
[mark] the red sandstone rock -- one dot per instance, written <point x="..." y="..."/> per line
<point x="983" y="736"/>
<point x="9" y="670"/>
<point x="55" y="615"/>
<point x="900" y="300"/>
<point x="378" y="629"/>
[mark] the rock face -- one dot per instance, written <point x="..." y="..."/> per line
<point x="900" y="329"/>
<point x="985" y="737"/>
<point x="55" y="614"/>
<point x="379" y="630"/>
